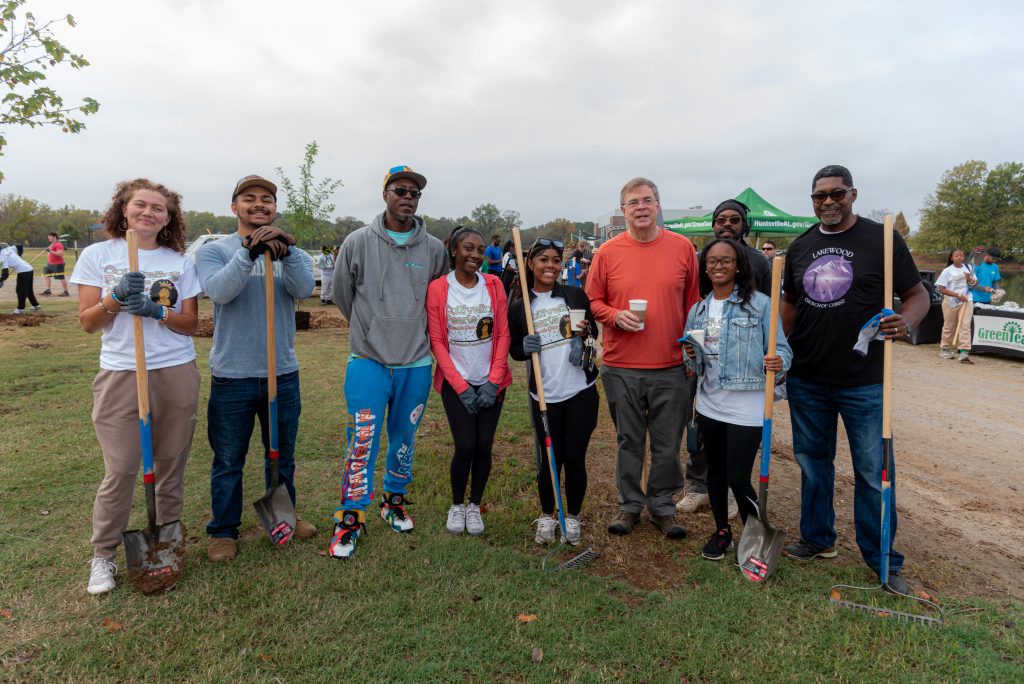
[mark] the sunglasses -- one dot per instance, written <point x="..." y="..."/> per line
<point x="402" y="192"/>
<point x="835" y="195"/>
<point x="767" y="249"/>
<point x="728" y="221"/>
<point x="543" y="243"/>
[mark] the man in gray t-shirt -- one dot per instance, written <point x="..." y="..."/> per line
<point x="231" y="272"/>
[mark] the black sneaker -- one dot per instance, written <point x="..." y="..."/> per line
<point x="806" y="551"/>
<point x="718" y="544"/>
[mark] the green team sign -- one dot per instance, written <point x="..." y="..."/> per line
<point x="993" y="331"/>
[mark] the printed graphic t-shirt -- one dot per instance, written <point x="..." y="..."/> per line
<point x="736" y="407"/>
<point x="955" y="279"/>
<point x="470" y="329"/>
<point x="838" y="282"/>
<point x="170" y="279"/>
<point x="562" y="380"/>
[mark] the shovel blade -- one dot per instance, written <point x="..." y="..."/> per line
<point x="155" y="561"/>
<point x="759" y="549"/>
<point x="277" y="515"/>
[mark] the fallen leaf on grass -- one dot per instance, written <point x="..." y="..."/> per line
<point x="112" y="625"/>
<point x="264" y="657"/>
<point x="426" y="562"/>
<point x="524" y="618"/>
<point x="242" y="652"/>
<point x="538" y="655"/>
<point x="44" y="512"/>
<point x="5" y="613"/>
<point x="322" y="553"/>
<point x="921" y="593"/>
<point x="835" y="595"/>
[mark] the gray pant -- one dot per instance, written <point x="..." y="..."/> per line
<point x="640" y="402"/>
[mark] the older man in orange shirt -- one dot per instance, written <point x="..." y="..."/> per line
<point x="644" y="380"/>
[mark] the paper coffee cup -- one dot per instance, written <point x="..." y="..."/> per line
<point x="576" y="316"/>
<point x="638" y="307"/>
<point x="697" y="335"/>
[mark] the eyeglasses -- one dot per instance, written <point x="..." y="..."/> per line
<point x="834" y="195"/>
<point x="728" y="221"/>
<point x="402" y="192"/>
<point x="724" y="261"/>
<point x="543" y="243"/>
<point x="646" y="201"/>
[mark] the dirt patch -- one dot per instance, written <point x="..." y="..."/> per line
<point x="23" y="320"/>
<point x="327" y="319"/>
<point x="161" y="569"/>
<point x="205" y="328"/>
<point x="959" y="494"/>
<point x="37" y="345"/>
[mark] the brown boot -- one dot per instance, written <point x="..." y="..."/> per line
<point x="624" y="522"/>
<point x="669" y="526"/>
<point x="304" y="530"/>
<point x="221" y="549"/>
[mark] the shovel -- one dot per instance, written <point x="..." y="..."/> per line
<point x="275" y="509"/>
<point x="761" y="544"/>
<point x="156" y="555"/>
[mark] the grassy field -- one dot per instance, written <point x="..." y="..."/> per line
<point x="422" y="607"/>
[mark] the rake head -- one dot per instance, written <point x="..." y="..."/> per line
<point x="835" y="598"/>
<point x="577" y="561"/>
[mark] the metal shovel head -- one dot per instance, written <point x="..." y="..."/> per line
<point x="155" y="561"/>
<point x="277" y="515"/>
<point x="759" y="549"/>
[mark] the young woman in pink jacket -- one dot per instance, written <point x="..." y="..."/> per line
<point x="467" y="320"/>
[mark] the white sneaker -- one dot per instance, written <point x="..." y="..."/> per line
<point x="692" y="501"/>
<point x="101" y="576"/>
<point x="546" y="526"/>
<point x="18" y="311"/>
<point x="37" y="307"/>
<point x="456" y="519"/>
<point x="474" y="523"/>
<point x="734" y="510"/>
<point x="572" y="530"/>
<point x="946" y="353"/>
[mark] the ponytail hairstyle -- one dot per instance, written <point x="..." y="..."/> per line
<point x="460" y="233"/>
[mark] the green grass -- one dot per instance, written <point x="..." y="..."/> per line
<point x="421" y="607"/>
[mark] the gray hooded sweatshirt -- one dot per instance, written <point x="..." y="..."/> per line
<point x="381" y="288"/>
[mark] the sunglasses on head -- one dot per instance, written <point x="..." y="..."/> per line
<point x="402" y="192"/>
<point x="542" y="243"/>
<point x="834" y="195"/>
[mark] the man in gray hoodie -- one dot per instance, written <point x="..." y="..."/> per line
<point x="380" y="286"/>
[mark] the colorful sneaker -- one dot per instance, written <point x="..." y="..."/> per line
<point x="692" y="501"/>
<point x="392" y="510"/>
<point x="546" y="526"/>
<point x="572" y="530"/>
<point x="718" y="544"/>
<point x="474" y="522"/>
<point x="101" y="576"/>
<point x="456" y="519"/>
<point x="806" y="551"/>
<point x="346" y="533"/>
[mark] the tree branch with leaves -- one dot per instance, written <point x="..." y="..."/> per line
<point x="308" y="210"/>
<point x="28" y="49"/>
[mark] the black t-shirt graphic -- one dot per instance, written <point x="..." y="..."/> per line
<point x="838" y="282"/>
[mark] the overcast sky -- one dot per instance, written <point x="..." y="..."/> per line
<point x="540" y="106"/>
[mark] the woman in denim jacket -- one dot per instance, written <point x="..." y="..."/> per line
<point x="730" y="361"/>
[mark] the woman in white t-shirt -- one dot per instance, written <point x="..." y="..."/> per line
<point x="467" y="321"/>
<point x="164" y="291"/>
<point x="568" y="371"/>
<point x="735" y="319"/>
<point x="955" y="283"/>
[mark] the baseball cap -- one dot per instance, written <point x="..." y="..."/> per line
<point x="995" y="252"/>
<point x="249" y="181"/>
<point x="399" y="172"/>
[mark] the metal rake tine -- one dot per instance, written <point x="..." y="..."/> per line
<point x="579" y="560"/>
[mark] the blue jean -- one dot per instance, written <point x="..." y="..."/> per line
<point x="371" y="389"/>
<point x="234" y="404"/>
<point x="814" y="409"/>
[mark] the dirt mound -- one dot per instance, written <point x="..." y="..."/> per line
<point x="327" y="319"/>
<point x="21" y="319"/>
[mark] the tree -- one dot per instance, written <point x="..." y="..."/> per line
<point x="345" y="226"/>
<point x="487" y="219"/>
<point x="974" y="206"/>
<point x="29" y="49"/>
<point x="308" y="213"/>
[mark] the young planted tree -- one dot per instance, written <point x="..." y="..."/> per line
<point x="308" y="211"/>
<point x="27" y="49"/>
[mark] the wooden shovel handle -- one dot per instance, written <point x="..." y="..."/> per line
<point x="773" y="333"/>
<point x="534" y="358"/>
<point x="141" y="381"/>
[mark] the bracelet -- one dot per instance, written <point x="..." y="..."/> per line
<point x="105" y="309"/>
<point x="114" y="297"/>
<point x="167" y="314"/>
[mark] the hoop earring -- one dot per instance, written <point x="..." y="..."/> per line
<point x="165" y="234"/>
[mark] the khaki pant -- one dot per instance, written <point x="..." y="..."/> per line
<point x="173" y="398"/>
<point x="949" y="332"/>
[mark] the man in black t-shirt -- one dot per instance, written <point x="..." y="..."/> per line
<point x="834" y="280"/>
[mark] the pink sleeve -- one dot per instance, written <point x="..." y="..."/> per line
<point x="437" y="333"/>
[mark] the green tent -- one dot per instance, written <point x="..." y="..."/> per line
<point x="766" y="219"/>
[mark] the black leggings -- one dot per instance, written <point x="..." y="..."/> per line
<point x="473" y="436"/>
<point x="23" y="288"/>
<point x="730" y="450"/>
<point x="571" y="423"/>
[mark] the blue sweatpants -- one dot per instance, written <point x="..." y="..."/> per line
<point x="370" y="390"/>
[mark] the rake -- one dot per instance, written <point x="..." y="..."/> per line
<point x="835" y="593"/>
